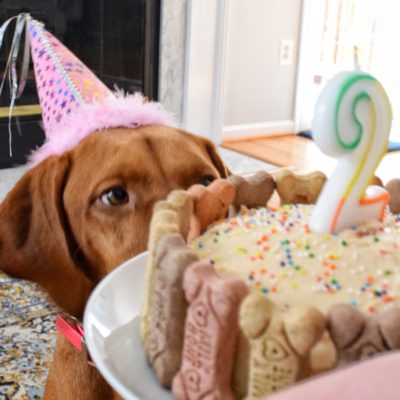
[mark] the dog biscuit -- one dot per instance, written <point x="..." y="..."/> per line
<point x="181" y="202"/>
<point x="254" y="191"/>
<point x="280" y="343"/>
<point x="393" y="187"/>
<point x="323" y="355"/>
<point x="163" y="221"/>
<point x="358" y="335"/>
<point x="211" y="330"/>
<point x="376" y="181"/>
<point x="296" y="188"/>
<point x="167" y="310"/>
<point x="210" y="205"/>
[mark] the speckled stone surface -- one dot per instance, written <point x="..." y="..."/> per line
<point x="27" y="338"/>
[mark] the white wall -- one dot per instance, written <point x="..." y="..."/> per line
<point x="386" y="57"/>
<point x="259" y="92"/>
<point x="201" y="69"/>
<point x="234" y="84"/>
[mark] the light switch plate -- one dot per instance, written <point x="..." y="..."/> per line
<point x="286" y="52"/>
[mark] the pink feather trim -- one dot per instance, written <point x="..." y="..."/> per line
<point x="114" y="111"/>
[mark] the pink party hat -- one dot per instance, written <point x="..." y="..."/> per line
<point x="63" y="81"/>
<point x="74" y="102"/>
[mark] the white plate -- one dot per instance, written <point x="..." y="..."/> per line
<point x="111" y="324"/>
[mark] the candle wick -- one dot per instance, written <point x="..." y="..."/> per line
<point x="356" y="58"/>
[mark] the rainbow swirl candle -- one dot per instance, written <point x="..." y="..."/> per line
<point x="352" y="122"/>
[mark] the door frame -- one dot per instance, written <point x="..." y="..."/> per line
<point x="205" y="55"/>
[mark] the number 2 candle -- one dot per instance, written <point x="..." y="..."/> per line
<point x="352" y="122"/>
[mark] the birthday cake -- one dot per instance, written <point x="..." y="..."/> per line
<point x="258" y="301"/>
<point x="245" y="306"/>
<point x="276" y="253"/>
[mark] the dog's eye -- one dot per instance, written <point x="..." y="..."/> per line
<point x="206" y="180"/>
<point x="115" y="197"/>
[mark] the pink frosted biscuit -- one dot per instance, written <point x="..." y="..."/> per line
<point x="211" y="330"/>
<point x="210" y="204"/>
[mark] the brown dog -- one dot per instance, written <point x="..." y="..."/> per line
<point x="73" y="218"/>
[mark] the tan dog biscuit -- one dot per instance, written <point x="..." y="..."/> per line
<point x="299" y="188"/>
<point x="241" y="367"/>
<point x="376" y="181"/>
<point x="323" y="355"/>
<point x="169" y="216"/>
<point x="167" y="311"/>
<point x="280" y="343"/>
<point x="163" y="221"/>
<point x="254" y="191"/>
<point x="210" y="205"/>
<point x="211" y="329"/>
<point x="357" y="335"/>
<point x="181" y="202"/>
<point x="393" y="187"/>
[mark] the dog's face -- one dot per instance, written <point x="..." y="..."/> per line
<point x="116" y="177"/>
<point x="74" y="218"/>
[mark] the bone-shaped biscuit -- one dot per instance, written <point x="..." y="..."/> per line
<point x="167" y="310"/>
<point x="393" y="187"/>
<point x="181" y="202"/>
<point x="357" y="335"/>
<point x="294" y="188"/>
<point x="252" y="191"/>
<point x="163" y="221"/>
<point x="280" y="343"/>
<point x="211" y="329"/>
<point x="169" y="216"/>
<point x="210" y="205"/>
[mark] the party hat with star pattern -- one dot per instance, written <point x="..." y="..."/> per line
<point x="74" y="102"/>
<point x="63" y="81"/>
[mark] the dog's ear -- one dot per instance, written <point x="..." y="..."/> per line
<point x="216" y="159"/>
<point x="35" y="239"/>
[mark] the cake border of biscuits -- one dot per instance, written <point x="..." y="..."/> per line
<point x="195" y="326"/>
